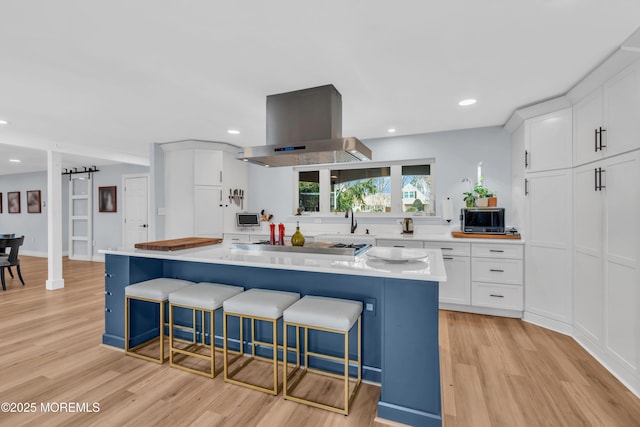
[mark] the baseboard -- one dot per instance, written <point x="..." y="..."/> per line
<point x="481" y="310"/>
<point x="545" y="322"/>
<point x="39" y="254"/>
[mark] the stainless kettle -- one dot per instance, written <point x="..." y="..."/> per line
<point x="407" y="226"/>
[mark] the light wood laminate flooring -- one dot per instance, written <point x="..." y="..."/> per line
<point x="495" y="372"/>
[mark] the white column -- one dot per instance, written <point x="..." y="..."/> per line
<point x="54" y="220"/>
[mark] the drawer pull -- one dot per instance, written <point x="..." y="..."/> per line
<point x="398" y="246"/>
<point x="496" y="270"/>
<point x="496" y="250"/>
<point x="446" y="249"/>
<point x="447" y="257"/>
<point x="496" y="296"/>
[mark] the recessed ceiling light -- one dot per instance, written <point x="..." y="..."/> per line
<point x="4" y="122"/>
<point x="266" y="166"/>
<point x="245" y="160"/>
<point x="233" y="131"/>
<point x="466" y="102"/>
<point x="15" y="160"/>
<point x="391" y="130"/>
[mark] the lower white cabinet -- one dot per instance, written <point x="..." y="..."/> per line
<point x="495" y="295"/>
<point x="482" y="277"/>
<point x="406" y="243"/>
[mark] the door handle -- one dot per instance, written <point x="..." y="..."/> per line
<point x="526" y="186"/>
<point x="600" y="186"/>
<point x="144" y="226"/>
<point x="526" y="158"/>
<point x="599" y="144"/>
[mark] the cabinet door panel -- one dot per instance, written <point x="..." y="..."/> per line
<point x="587" y="117"/>
<point x="548" y="141"/>
<point x="622" y="103"/>
<point x="496" y="296"/>
<point x="457" y="288"/>
<point x="208" y="212"/>
<point x="507" y="271"/>
<point x="622" y="314"/>
<point x="207" y="167"/>
<point x="588" y="291"/>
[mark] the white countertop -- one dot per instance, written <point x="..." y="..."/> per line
<point x="431" y="268"/>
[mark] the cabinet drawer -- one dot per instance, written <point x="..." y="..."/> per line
<point x="496" y="296"/>
<point x="491" y="250"/>
<point x="507" y="271"/>
<point x="237" y="238"/>
<point x="400" y="243"/>
<point x="462" y="249"/>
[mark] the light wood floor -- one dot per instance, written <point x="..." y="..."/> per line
<point x="495" y="371"/>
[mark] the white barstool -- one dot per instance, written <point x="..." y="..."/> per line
<point x="333" y="315"/>
<point x="205" y="298"/>
<point x="263" y="305"/>
<point x="155" y="291"/>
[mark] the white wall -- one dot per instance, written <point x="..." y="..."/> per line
<point x="457" y="154"/>
<point x="107" y="229"/>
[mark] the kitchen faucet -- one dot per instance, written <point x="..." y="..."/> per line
<point x="354" y="223"/>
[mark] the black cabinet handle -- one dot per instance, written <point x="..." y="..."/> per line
<point x="599" y="134"/>
<point x="446" y="249"/>
<point x="496" y="296"/>
<point x="526" y="158"/>
<point x="447" y="257"/>
<point x="595" y="177"/>
<point x="595" y="140"/>
<point x="497" y="271"/>
<point x="398" y="246"/>
<point x="526" y="187"/>
<point x="600" y="186"/>
<point x="496" y="250"/>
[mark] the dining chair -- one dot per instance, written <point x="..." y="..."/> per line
<point x="3" y="250"/>
<point x="12" y="259"/>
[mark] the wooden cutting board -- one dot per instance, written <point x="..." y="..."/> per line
<point x="177" y="244"/>
<point x="484" y="236"/>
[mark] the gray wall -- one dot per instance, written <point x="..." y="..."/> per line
<point x="107" y="229"/>
<point x="456" y="153"/>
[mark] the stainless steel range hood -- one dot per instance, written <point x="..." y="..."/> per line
<point x="304" y="127"/>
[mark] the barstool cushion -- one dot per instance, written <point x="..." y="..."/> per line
<point x="261" y="303"/>
<point x="324" y="312"/>
<point x="156" y="289"/>
<point x="204" y="295"/>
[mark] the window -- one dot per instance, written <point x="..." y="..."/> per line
<point x="416" y="188"/>
<point x="364" y="190"/>
<point x="309" y="191"/>
<point x="373" y="188"/>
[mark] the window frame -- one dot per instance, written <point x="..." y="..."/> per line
<point x="396" y="186"/>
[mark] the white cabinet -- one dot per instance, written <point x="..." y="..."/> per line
<point x="404" y="243"/>
<point x="497" y="276"/>
<point x="198" y="179"/>
<point x="457" y="264"/>
<point x="548" y="141"/>
<point x="606" y="254"/>
<point x="482" y="277"/>
<point x="605" y="122"/>
<point x="548" y="233"/>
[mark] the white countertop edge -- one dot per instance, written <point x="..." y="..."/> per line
<point x="357" y="266"/>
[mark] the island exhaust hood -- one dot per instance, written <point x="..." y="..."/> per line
<point x="304" y="127"/>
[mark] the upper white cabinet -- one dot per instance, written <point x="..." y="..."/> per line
<point x="605" y="122"/>
<point x="198" y="182"/>
<point x="207" y="167"/>
<point x="548" y="141"/>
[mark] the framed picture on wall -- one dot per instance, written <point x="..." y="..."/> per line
<point x="107" y="201"/>
<point x="13" y="202"/>
<point x="33" y="201"/>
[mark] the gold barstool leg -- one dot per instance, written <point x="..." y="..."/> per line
<point x="131" y="351"/>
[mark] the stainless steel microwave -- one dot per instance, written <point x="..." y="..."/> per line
<point x="482" y="220"/>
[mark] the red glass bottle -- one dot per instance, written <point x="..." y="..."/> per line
<point x="281" y="234"/>
<point x="272" y="237"/>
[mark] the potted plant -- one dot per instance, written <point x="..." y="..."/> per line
<point x="483" y="195"/>
<point x="469" y="199"/>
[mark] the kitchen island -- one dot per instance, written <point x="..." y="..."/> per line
<point x="399" y="321"/>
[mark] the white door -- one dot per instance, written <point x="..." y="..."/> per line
<point x="587" y="118"/>
<point x="208" y="211"/>
<point x="136" y="210"/>
<point x="80" y="218"/>
<point x="548" y="245"/>
<point x="457" y="289"/>
<point x="588" y="291"/>
<point x="622" y="284"/>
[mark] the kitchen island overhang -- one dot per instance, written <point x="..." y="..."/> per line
<point x="399" y="324"/>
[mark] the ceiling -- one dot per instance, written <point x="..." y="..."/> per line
<point x="103" y="79"/>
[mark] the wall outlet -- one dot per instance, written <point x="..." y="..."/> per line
<point x="370" y="305"/>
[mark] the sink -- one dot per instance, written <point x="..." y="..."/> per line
<point x="327" y="248"/>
